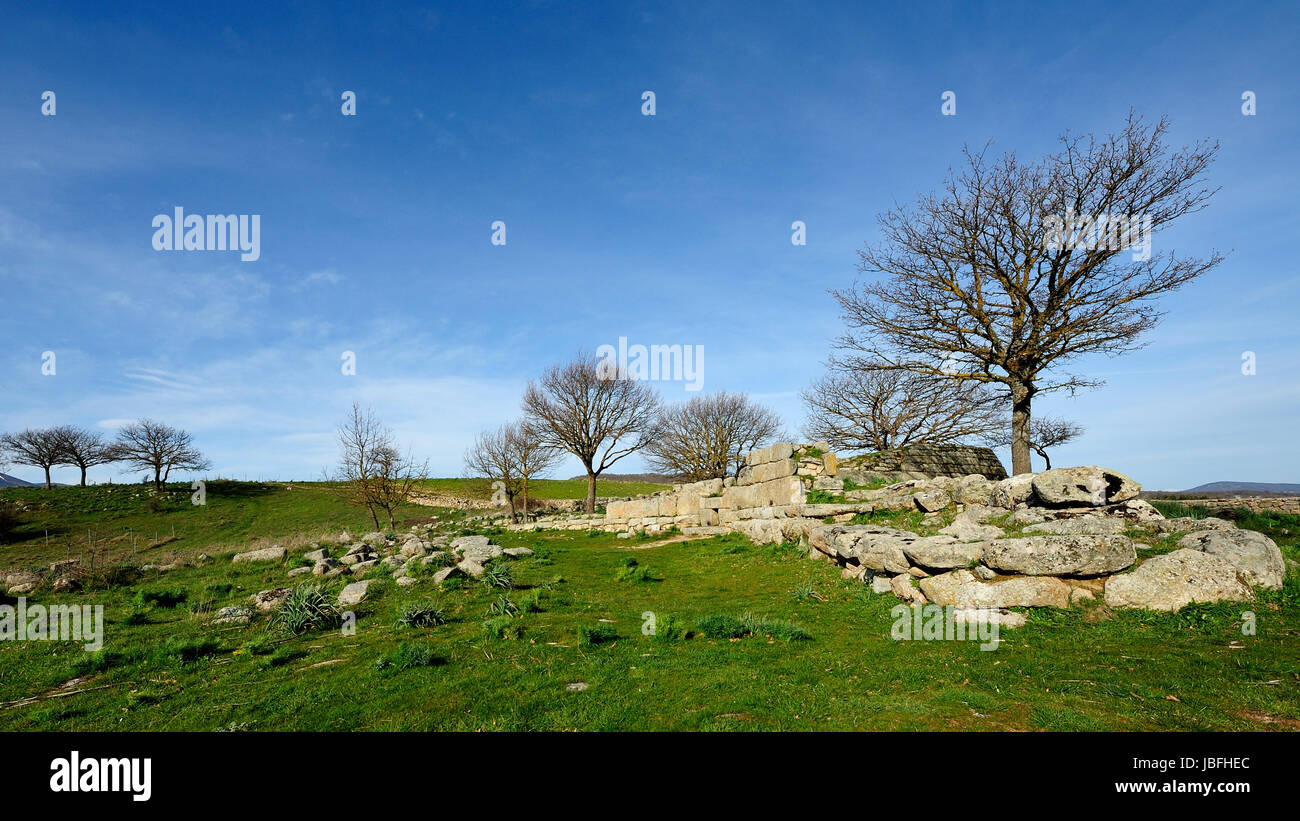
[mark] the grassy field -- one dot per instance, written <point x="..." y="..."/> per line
<point x="822" y="656"/>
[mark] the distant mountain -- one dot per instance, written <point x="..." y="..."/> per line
<point x="13" y="481"/>
<point x="1246" y="487"/>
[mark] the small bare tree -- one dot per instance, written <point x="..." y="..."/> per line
<point x="34" y="447"/>
<point x="531" y="455"/>
<point x="707" y="437"/>
<point x="1044" y="432"/>
<point x="372" y="467"/>
<point x="981" y="282"/>
<point x="154" y="446"/>
<point x="597" y="416"/>
<point x="84" y="448"/>
<point x="857" y="407"/>
<point x="492" y="459"/>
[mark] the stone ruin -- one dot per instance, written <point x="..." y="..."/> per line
<point x="1049" y="539"/>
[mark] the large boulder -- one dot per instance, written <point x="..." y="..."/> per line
<point x="967" y="530"/>
<point x="1090" y="525"/>
<point x="19" y="582"/>
<point x="477" y="549"/>
<point x="354" y="593"/>
<point x="1087" y="485"/>
<point x="1255" y="555"/>
<point x="1176" y="579"/>
<point x="275" y="553"/>
<point x="942" y="552"/>
<point x="1060" y="555"/>
<point x="269" y="599"/>
<point x="1015" y="490"/>
<point x="960" y="588"/>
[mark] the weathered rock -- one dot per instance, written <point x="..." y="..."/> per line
<point x="375" y="539"/>
<point x="1012" y="491"/>
<point x="65" y="584"/>
<point x="300" y="571"/>
<point x="269" y="599"/>
<point x="960" y="588"/>
<point x="932" y="500"/>
<point x="1091" y="525"/>
<point x="406" y="581"/>
<point x="362" y="567"/>
<point x="1086" y="485"/>
<point x="1060" y="555"/>
<point x="19" y="582"/>
<point x="324" y="566"/>
<point x="354" y="593"/>
<point x="984" y="573"/>
<point x="1173" y="580"/>
<point x="881" y="584"/>
<point x="274" y="553"/>
<point x="439" y="557"/>
<point x="903" y="587"/>
<point x="1253" y="554"/>
<point x="233" y="615"/>
<point x="966" y="530"/>
<point x="942" y="552"/>
<point x="446" y="573"/>
<point x="518" y="552"/>
<point x="477" y="549"/>
<point x="471" y="568"/>
<point x="317" y="555"/>
<point x="1186" y="524"/>
<point x="974" y="616"/>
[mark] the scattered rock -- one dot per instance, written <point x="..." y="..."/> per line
<point x="407" y="581"/>
<point x="269" y="599"/>
<point x="903" y="587"/>
<point x="354" y="593"/>
<point x="446" y="573"/>
<point x="518" y="552"/>
<point x="19" y="582"/>
<point x="959" y="588"/>
<point x="274" y="553"/>
<point x="1253" y="554"/>
<point x="65" y="584"/>
<point x="317" y="555"/>
<point x="233" y="615"/>
<point x="881" y="584"/>
<point x="300" y="571"/>
<point x="1170" y="581"/>
<point x="1060" y="555"/>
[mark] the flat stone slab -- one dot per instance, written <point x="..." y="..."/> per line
<point x="266" y="554"/>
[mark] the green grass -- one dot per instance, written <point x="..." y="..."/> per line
<point x="543" y="488"/>
<point x="428" y="659"/>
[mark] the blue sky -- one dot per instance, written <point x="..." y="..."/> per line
<point x="671" y="229"/>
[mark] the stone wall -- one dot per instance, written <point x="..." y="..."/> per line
<point x="1256" y="504"/>
<point x="924" y="461"/>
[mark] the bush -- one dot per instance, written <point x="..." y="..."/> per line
<point x="160" y="598"/>
<point x="503" y="606"/>
<point x="499" y="575"/>
<point x="421" y="614"/>
<point x="633" y="573"/>
<point x="599" y="634"/>
<point x="408" y="656"/>
<point x="669" y="628"/>
<point x="308" y="607"/>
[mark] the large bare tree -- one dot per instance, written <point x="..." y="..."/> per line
<point x="532" y="456"/>
<point x="84" y="448"/>
<point x="157" y="447"/>
<point x="856" y="407"/>
<point x="1044" y="432"/>
<point x="598" y="417"/>
<point x="707" y="437"/>
<point x="981" y="282"/>
<point x="34" y="447"/>
<point x="372" y="466"/>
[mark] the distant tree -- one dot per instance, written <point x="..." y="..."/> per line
<point x="1044" y="432"/>
<point x="157" y="448"/>
<point x="34" y="447"/>
<point x="597" y="416"/>
<point x="707" y="437"/>
<point x="372" y="467"/>
<point x="856" y="407"/>
<point x="531" y="455"/>
<point x="84" y="448"/>
<point x="490" y="458"/>
<point x="1016" y="268"/>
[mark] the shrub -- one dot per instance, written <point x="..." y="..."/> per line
<point x="160" y="598"/>
<point x="669" y="628"/>
<point x="408" y="656"/>
<point x="600" y="633"/>
<point x="633" y="574"/>
<point x="499" y="575"/>
<point x="503" y="627"/>
<point x="503" y="606"/>
<point x="806" y="592"/>
<point x="308" y="607"/>
<point x="747" y="624"/>
<point x="421" y="614"/>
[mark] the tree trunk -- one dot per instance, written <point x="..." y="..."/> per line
<point x="47" y="478"/>
<point x="591" y="491"/>
<point x="525" y="501"/>
<point x="83" y="475"/>
<point x="157" y="478"/>
<point x="1021" y="397"/>
<point x="1047" y="462"/>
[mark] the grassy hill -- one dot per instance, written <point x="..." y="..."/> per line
<point x="819" y="655"/>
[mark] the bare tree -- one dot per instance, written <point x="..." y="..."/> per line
<point x="492" y="458"/>
<point x="1044" y="432"/>
<point x="598" y="417"/>
<point x="707" y="437"/>
<point x="531" y="455"/>
<point x="373" y="468"/>
<point x="35" y="447"/>
<point x="982" y="283"/>
<point x="157" y="447"/>
<point x="857" y="407"/>
<point x="84" y="448"/>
